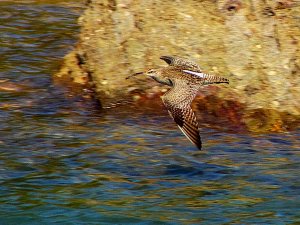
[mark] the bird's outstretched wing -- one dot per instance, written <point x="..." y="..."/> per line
<point x="181" y="62"/>
<point x="178" y="102"/>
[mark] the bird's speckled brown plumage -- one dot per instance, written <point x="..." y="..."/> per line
<point x="185" y="78"/>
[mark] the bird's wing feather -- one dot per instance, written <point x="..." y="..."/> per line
<point x="181" y="62"/>
<point x="177" y="100"/>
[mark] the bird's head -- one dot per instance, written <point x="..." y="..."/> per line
<point x="151" y="73"/>
<point x="156" y="74"/>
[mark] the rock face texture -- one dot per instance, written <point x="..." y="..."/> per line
<point x="255" y="44"/>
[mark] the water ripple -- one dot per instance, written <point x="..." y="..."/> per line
<point x="63" y="160"/>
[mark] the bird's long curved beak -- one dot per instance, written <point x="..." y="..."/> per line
<point x="135" y="74"/>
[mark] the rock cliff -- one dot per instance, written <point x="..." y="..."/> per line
<point x="255" y="44"/>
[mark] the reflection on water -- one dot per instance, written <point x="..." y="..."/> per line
<point x="62" y="160"/>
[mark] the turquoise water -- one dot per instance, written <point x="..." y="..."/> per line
<point x="65" y="161"/>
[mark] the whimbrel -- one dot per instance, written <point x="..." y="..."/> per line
<point x="185" y="79"/>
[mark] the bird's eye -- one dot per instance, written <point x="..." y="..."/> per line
<point x="151" y="71"/>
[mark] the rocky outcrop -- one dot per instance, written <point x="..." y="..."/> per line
<point x="255" y="44"/>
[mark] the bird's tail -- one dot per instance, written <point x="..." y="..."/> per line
<point x="207" y="78"/>
<point x="212" y="79"/>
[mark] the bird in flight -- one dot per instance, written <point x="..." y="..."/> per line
<point x="185" y="79"/>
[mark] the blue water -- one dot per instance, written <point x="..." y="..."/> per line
<point x="65" y="161"/>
